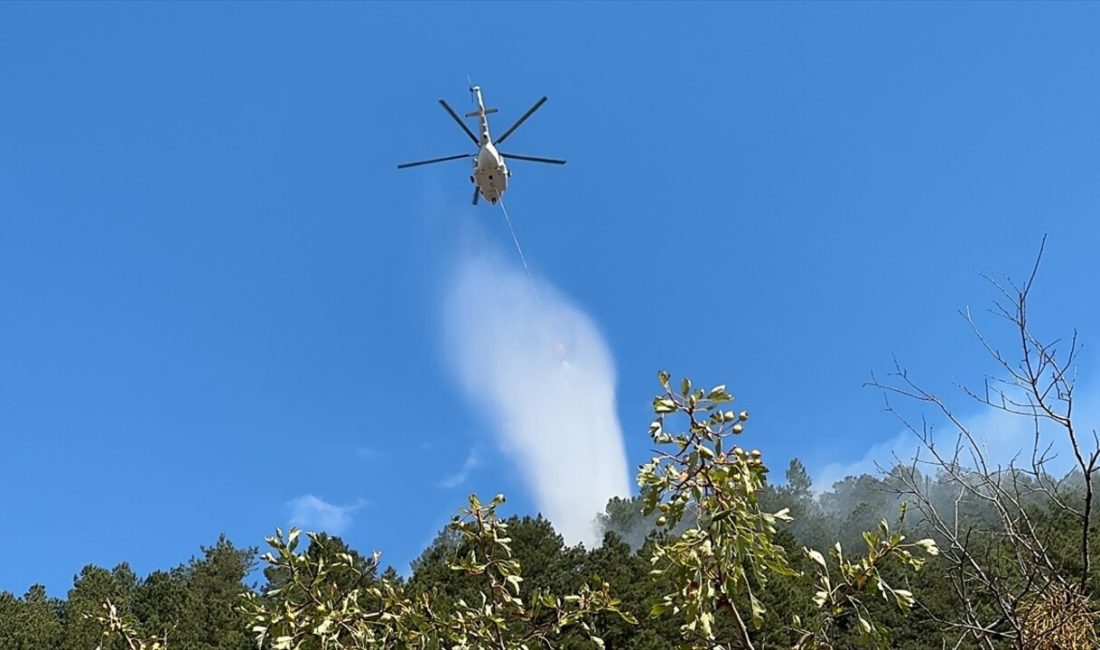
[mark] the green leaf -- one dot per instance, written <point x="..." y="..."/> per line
<point x="905" y="599"/>
<point x="706" y="623"/>
<point x="929" y="546"/>
<point x="816" y="557"/>
<point x="864" y="625"/>
<point x="758" y="611"/>
<point x="663" y="405"/>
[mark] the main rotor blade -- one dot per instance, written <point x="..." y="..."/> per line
<point x="435" y="160"/>
<point x="552" y="161"/>
<point x="475" y="194"/>
<point x="521" y="120"/>
<point x="458" y="119"/>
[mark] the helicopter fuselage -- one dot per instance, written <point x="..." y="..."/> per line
<point x="490" y="173"/>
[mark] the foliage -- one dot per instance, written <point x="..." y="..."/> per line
<point x="161" y="602"/>
<point x="839" y="592"/>
<point x="731" y="551"/>
<point x="729" y="556"/>
<point x="31" y="622"/>
<point x="310" y="611"/>
<point x="91" y="589"/>
<point x="121" y="629"/>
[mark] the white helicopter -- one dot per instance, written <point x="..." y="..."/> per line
<point x="490" y="176"/>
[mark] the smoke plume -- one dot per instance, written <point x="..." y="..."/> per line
<point x="538" y="368"/>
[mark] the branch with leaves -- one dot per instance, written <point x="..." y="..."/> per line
<point x="124" y="629"/>
<point x="839" y="592"/>
<point x="731" y="552"/>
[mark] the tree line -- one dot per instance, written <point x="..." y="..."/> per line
<point x="198" y="605"/>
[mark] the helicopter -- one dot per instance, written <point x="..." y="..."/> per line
<point x="490" y="173"/>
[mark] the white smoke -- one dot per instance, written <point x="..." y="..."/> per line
<point x="538" y="367"/>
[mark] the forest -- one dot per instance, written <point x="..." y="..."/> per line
<point x="197" y="605"/>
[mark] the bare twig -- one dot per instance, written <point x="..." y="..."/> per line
<point x="1038" y="385"/>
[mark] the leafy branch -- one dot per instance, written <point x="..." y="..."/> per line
<point x="731" y="552"/>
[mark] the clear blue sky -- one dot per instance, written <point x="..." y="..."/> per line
<point x="217" y="294"/>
